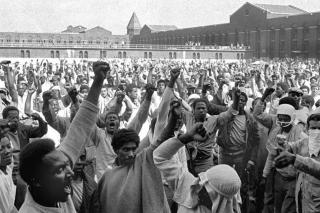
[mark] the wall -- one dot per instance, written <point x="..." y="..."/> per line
<point x="134" y="53"/>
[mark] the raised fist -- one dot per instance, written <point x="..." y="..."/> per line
<point x="73" y="93"/>
<point x="100" y="69"/>
<point x="267" y="92"/>
<point x="198" y="132"/>
<point x="175" y="73"/>
<point x="46" y="96"/>
<point x="149" y="91"/>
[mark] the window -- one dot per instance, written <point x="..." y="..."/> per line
<point x="242" y="55"/>
<point x="22" y="54"/>
<point x="217" y="56"/>
<point x="86" y="54"/>
<point x="98" y="42"/>
<point x="58" y="41"/>
<point x="70" y="42"/>
<point x="90" y="42"/>
<point x="78" y="42"/>
<point x="198" y="55"/>
<point x="17" y="41"/>
<point x="170" y="55"/>
<point x="124" y="54"/>
<point x="57" y="54"/>
<point x="175" y="55"/>
<point x="194" y="56"/>
<point x="145" y="55"/>
<point x="80" y="54"/>
<point x="246" y="12"/>
<point x="220" y="55"/>
<point x="150" y="54"/>
<point x="52" y="54"/>
<point x="105" y="54"/>
<point x="119" y="54"/>
<point x="238" y="56"/>
<point x="28" y="53"/>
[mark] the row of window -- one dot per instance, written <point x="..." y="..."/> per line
<point x="60" y="41"/>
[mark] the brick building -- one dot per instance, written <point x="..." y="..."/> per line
<point x="269" y="30"/>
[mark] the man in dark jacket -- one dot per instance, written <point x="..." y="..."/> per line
<point x="19" y="135"/>
<point x="238" y="140"/>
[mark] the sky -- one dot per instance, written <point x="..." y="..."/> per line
<point x="114" y="15"/>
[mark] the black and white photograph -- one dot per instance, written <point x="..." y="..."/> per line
<point x="160" y="106"/>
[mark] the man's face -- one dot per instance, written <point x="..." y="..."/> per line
<point x="56" y="93"/>
<point x="5" y="152"/>
<point x="126" y="154"/>
<point x="242" y="102"/>
<point x="112" y="123"/>
<point x="21" y="89"/>
<point x="296" y="96"/>
<point x="314" y="90"/>
<point x="104" y="92"/>
<point x="161" y="87"/>
<point x="134" y="93"/>
<point x="56" y="179"/>
<point x="80" y="164"/>
<point x="200" y="110"/>
<point x="305" y="91"/>
<point x="279" y="91"/>
<point x="42" y="80"/>
<point x="314" y="124"/>
<point x="54" y="104"/>
<point x="13" y="117"/>
<point x="313" y="81"/>
<point x="84" y="93"/>
<point x="283" y="120"/>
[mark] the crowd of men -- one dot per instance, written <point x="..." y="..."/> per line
<point x="142" y="135"/>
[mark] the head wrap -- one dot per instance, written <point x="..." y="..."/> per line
<point x="223" y="186"/>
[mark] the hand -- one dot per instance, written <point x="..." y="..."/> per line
<point x="267" y="92"/>
<point x="206" y="86"/>
<point x="284" y="159"/>
<point x="73" y="93"/>
<point x="174" y="73"/>
<point x="175" y="110"/>
<point x="4" y="127"/>
<point x="46" y="96"/>
<point x="149" y="91"/>
<point x="198" y="133"/>
<point x="36" y="116"/>
<point x="235" y="97"/>
<point x="100" y="69"/>
<point x="120" y="96"/>
<point x="31" y="90"/>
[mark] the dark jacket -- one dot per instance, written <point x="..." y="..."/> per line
<point x="26" y="132"/>
<point x="225" y="123"/>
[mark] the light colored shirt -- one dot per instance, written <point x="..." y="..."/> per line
<point x="7" y="191"/>
<point x="30" y="205"/>
<point x="238" y="130"/>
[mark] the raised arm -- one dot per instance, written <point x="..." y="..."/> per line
<point x="165" y="104"/>
<point x="85" y="120"/>
<point x="142" y="114"/>
<point x="263" y="118"/>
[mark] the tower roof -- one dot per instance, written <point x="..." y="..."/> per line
<point x="134" y="22"/>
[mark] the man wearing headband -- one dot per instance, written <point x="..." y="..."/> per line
<point x="304" y="155"/>
<point x="216" y="190"/>
<point x="281" y="129"/>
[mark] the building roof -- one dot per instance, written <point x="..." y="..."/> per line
<point x="134" y="22"/>
<point x="98" y="29"/>
<point x="74" y="29"/>
<point x="161" y="28"/>
<point x="280" y="10"/>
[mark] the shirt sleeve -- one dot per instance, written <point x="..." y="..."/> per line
<point x="79" y="131"/>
